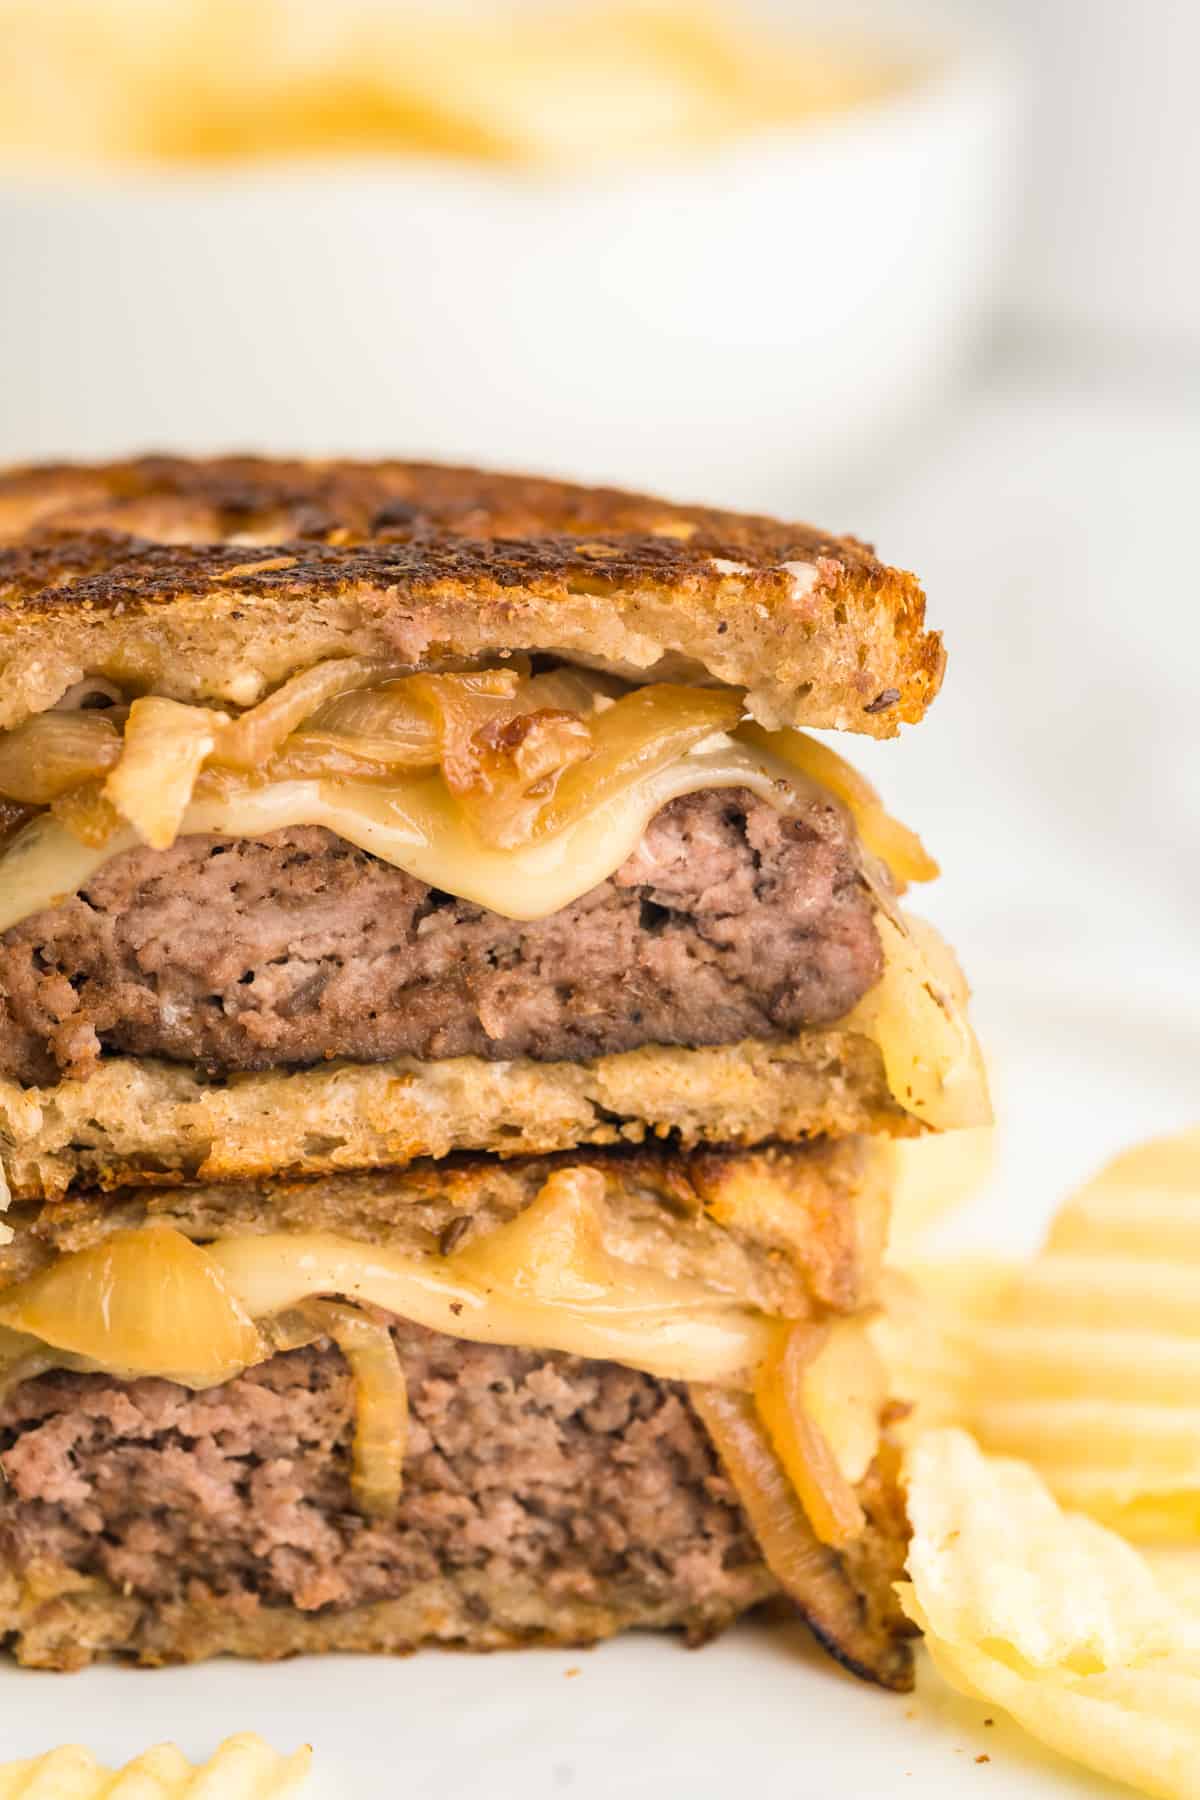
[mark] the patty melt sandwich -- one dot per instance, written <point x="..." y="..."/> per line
<point x="452" y="1022"/>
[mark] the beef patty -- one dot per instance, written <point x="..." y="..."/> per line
<point x="545" y="1496"/>
<point x="729" y="921"/>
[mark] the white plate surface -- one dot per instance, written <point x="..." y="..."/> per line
<point x="758" y="1712"/>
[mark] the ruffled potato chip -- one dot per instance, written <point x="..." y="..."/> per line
<point x="244" y="1768"/>
<point x="1086" y="1362"/>
<point x="994" y="1559"/>
<point x="935" y="1175"/>
<point x="1052" y="1617"/>
<point x="926" y="1332"/>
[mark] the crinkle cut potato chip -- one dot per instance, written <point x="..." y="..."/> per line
<point x="994" y="1558"/>
<point x="1091" y="1367"/>
<point x="925" y="1334"/>
<point x="1144" y="1203"/>
<point x="244" y="1768"/>
<point x="936" y="1174"/>
<point x="1086" y="1362"/>
<point x="1052" y="1617"/>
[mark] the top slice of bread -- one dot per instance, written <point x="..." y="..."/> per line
<point x="215" y="580"/>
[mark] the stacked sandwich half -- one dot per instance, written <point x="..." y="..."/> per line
<point x="452" y="1023"/>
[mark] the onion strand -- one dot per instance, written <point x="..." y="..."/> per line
<point x="249" y="741"/>
<point x="380" y="1400"/>
<point x="165" y="747"/>
<point x="802" y="1447"/>
<point x="55" y="751"/>
<point x="812" y="1574"/>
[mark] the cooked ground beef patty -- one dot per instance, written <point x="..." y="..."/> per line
<point x="545" y="1497"/>
<point x="730" y="921"/>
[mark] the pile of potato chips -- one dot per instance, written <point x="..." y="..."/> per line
<point x="1085" y="1364"/>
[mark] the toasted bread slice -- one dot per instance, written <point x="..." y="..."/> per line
<point x="791" y="1227"/>
<point x="146" y="1121"/>
<point x="215" y="580"/>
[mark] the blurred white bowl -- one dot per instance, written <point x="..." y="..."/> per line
<point x="748" y="325"/>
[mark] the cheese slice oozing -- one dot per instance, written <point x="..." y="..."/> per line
<point x="412" y="823"/>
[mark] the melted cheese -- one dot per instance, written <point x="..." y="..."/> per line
<point x="413" y="824"/>
<point x="543" y="1281"/>
<point x="671" y="1329"/>
<point x="917" y="1016"/>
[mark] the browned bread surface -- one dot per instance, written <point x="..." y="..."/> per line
<point x="786" y="1227"/>
<point x="216" y="579"/>
<point x="162" y="1124"/>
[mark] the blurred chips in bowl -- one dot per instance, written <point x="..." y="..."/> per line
<point x="712" y="249"/>
<point x="549" y="86"/>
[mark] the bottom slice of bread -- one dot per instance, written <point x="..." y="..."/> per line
<point x="547" y="1499"/>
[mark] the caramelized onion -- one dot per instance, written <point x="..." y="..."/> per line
<point x="810" y="1572"/>
<point x="88" y="814"/>
<point x="502" y="739"/>
<point x="166" y="743"/>
<point x="554" y="1249"/>
<point x="381" y="1403"/>
<point x="319" y="755"/>
<point x="292" y="1329"/>
<point x="143" y="1302"/>
<point x="802" y="1447"/>
<point x="251" y="740"/>
<point x="438" y="712"/>
<point x="56" y="751"/>
<point x="512" y="769"/>
<point x="636" y="736"/>
<point x="575" y="1298"/>
<point x="879" y="834"/>
<point x="500" y="760"/>
<point x="845" y="1390"/>
<point x="390" y="714"/>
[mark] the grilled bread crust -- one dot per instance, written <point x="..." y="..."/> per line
<point x="788" y="1226"/>
<point x="161" y="1124"/>
<point x="214" y="580"/>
